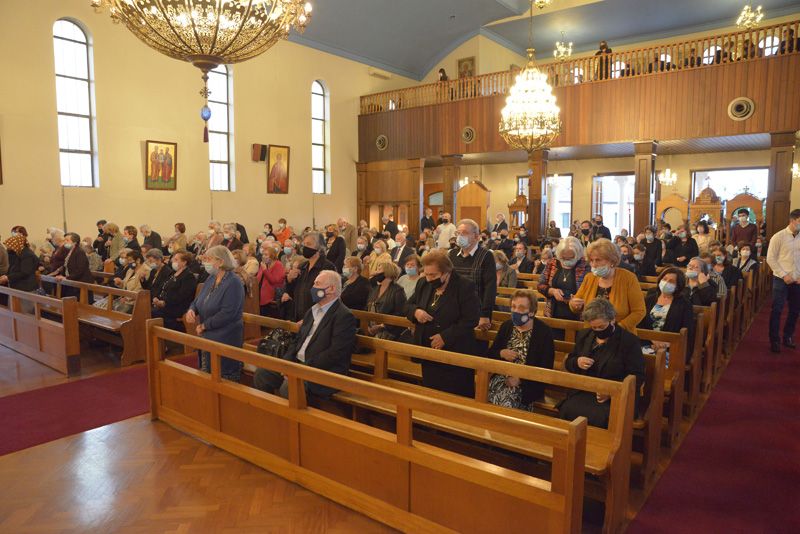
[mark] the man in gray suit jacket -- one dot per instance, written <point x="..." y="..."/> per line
<point x="325" y="340"/>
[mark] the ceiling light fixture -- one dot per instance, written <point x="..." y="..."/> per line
<point x="667" y="178"/>
<point x="530" y="119"/>
<point x="541" y="4"/>
<point x="208" y="33"/>
<point x="562" y="51"/>
<point x="749" y="18"/>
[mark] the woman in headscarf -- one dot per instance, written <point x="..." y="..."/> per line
<point x="21" y="268"/>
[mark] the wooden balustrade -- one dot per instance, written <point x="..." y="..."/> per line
<point x="695" y="53"/>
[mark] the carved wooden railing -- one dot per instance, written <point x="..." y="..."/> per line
<point x="696" y="53"/>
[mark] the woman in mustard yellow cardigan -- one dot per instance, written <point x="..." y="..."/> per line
<point x="619" y="286"/>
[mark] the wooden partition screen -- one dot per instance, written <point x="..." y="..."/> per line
<point x="390" y="477"/>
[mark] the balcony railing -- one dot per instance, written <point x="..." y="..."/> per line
<point x="697" y="53"/>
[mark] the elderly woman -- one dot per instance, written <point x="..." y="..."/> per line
<point x="683" y="247"/>
<point x="386" y="297"/>
<point x="21" y="273"/>
<point x="355" y="288"/>
<point x="643" y="265"/>
<point x="243" y="261"/>
<point x="606" y="281"/>
<point x="271" y="275"/>
<point x="130" y="238"/>
<point x="561" y="280"/>
<point x="229" y="239"/>
<point x="76" y="265"/>
<point x="176" y="293"/>
<point x="378" y="257"/>
<point x="114" y="242"/>
<point x="747" y="260"/>
<point x="363" y="248"/>
<point x="668" y="308"/>
<point x="445" y="311"/>
<point x="524" y="340"/>
<point x="335" y="249"/>
<point x="604" y="350"/>
<point x="714" y="277"/>
<point x="701" y="291"/>
<point x="215" y="236"/>
<point x="159" y="273"/>
<point x="722" y="265"/>
<point x="218" y="308"/>
<point x="132" y="280"/>
<point x="409" y="280"/>
<point x="179" y="237"/>
<point x="652" y="245"/>
<point x="45" y="256"/>
<point x="506" y="276"/>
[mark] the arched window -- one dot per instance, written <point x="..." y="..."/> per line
<point x="75" y="105"/>
<point x="710" y="54"/>
<point x="320" y="148"/>
<point x="769" y="45"/>
<point x="220" y="146"/>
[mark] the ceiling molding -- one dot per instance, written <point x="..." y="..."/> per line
<point x="516" y="6"/>
<point x="502" y="41"/>
<point x="438" y="58"/>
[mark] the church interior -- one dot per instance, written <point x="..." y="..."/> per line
<point x="355" y="112"/>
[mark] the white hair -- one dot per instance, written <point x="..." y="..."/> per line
<point x="472" y="224"/>
<point x="56" y="234"/>
<point x="219" y="252"/>
<point x="571" y="243"/>
<point x="144" y="228"/>
<point x="231" y="227"/>
<point x="216" y="224"/>
<point x="333" y="278"/>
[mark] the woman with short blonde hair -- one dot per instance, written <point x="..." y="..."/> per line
<point x="506" y="276"/>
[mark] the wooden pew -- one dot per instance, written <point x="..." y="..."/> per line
<point x="693" y="368"/>
<point x="54" y="344"/>
<point x="120" y="329"/>
<point x="390" y="476"/>
<point x="710" y="326"/>
<point x="101" y="277"/>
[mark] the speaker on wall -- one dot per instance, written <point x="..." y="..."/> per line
<point x="259" y="152"/>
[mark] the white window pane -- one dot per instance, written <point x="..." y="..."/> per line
<point x="318" y="181"/>
<point x="73" y="133"/>
<point x="72" y="96"/>
<point x="317" y="157"/>
<point x="218" y="147"/>
<point x="219" y="177"/>
<point x="219" y="117"/>
<point x="76" y="170"/>
<point x="218" y="85"/>
<point x="317" y="107"/>
<point x="318" y="131"/>
<point x="71" y="59"/>
<point x="68" y="30"/>
<point x="316" y="88"/>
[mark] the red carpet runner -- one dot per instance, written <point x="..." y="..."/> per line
<point x="738" y="470"/>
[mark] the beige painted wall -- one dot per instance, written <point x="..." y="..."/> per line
<point x="489" y="57"/>
<point x="141" y="95"/>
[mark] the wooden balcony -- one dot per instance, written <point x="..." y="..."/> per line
<point x="672" y="91"/>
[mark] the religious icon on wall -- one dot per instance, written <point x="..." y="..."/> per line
<point x="466" y="67"/>
<point x="278" y="167"/>
<point x="161" y="166"/>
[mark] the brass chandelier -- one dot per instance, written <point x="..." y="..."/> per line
<point x="209" y="33"/>
<point x="749" y="18"/>
<point x="530" y="119"/>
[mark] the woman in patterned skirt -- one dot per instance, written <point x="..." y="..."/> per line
<point x="524" y="340"/>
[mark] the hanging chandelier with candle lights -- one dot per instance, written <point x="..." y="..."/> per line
<point x="749" y="18"/>
<point x="562" y="51"/>
<point x="208" y="33"/>
<point x="530" y="119"/>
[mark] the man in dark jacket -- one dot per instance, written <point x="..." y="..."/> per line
<point x="325" y="340"/>
<point x="599" y="230"/>
<point x="300" y="280"/>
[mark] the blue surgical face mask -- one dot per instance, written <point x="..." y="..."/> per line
<point x="14" y="234"/>
<point x="412" y="271"/>
<point x="209" y="267"/>
<point x="347" y="273"/>
<point x="682" y="235"/>
<point x="287" y="250"/>
<point x="649" y="237"/>
<point x="317" y="294"/>
<point x="691" y="274"/>
<point x="498" y="266"/>
<point x="67" y="245"/>
<point x="516" y="240"/>
<point x="601" y="271"/>
<point x="125" y="239"/>
<point x="719" y="259"/>
<point x="758" y="245"/>
<point x="361" y="247"/>
<point x="638" y="257"/>
<point x="569" y="264"/>
<point x="175" y="266"/>
<point x="624" y="233"/>
<point x="666" y="287"/>
<point x="520" y="319"/>
<point x="122" y="261"/>
<point x="462" y="241"/>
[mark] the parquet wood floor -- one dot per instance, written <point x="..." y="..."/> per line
<point x="137" y="476"/>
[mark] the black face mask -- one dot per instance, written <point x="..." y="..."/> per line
<point x="605" y="333"/>
<point x="436" y="284"/>
<point x="598" y="223"/>
<point x="377" y="279"/>
<point x="585" y="231"/>
<point x="328" y="234"/>
<point x="309" y="252"/>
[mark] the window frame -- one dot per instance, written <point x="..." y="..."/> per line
<point x="91" y="118"/>
<point x="325" y="145"/>
<point x="228" y="103"/>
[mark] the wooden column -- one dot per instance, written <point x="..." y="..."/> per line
<point x="452" y="174"/>
<point x="644" y="188"/>
<point x="537" y="199"/>
<point x="415" y="183"/>
<point x="779" y="183"/>
<point x="362" y="211"/>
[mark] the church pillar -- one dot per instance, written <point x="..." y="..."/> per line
<point x="624" y="217"/>
<point x="362" y="211"/>
<point x="779" y="182"/>
<point x="452" y="175"/>
<point x="537" y="209"/>
<point x="415" y="180"/>
<point x="644" y="187"/>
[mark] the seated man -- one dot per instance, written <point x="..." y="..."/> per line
<point x="325" y="340"/>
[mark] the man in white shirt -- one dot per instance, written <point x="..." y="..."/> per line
<point x="445" y="232"/>
<point x="783" y="257"/>
<point x="325" y="340"/>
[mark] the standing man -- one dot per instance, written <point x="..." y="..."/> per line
<point x="744" y="231"/>
<point x="501" y="223"/>
<point x="300" y="280"/>
<point x="390" y="226"/>
<point x="783" y="257"/>
<point x="349" y="233"/>
<point x="151" y="238"/>
<point x="600" y="231"/>
<point x="476" y="263"/>
<point x="446" y="231"/>
<point x="427" y="222"/>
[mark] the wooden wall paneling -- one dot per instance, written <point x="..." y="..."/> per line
<point x="537" y="209"/>
<point x="452" y="174"/>
<point x="414" y="183"/>
<point x="645" y="154"/>
<point x="361" y="188"/>
<point x="779" y="185"/>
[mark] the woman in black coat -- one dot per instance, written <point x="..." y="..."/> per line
<point x="683" y="247"/>
<point x="643" y="265"/>
<point x="445" y="311"/>
<point x="363" y="248"/>
<point x="22" y="266"/>
<point x="604" y="350"/>
<point x="525" y="340"/>
<point x="177" y="293"/>
<point x="386" y="297"/>
<point x="335" y="249"/>
<point x="652" y="245"/>
<point x="76" y="265"/>
<point x="700" y="289"/>
<point x="355" y="288"/>
<point x="668" y="308"/>
<point x="722" y="264"/>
